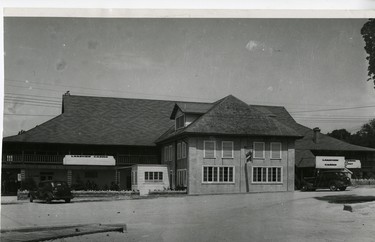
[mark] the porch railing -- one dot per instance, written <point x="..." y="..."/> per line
<point x="33" y="158"/>
<point x="58" y="159"/>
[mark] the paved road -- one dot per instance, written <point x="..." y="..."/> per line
<point x="295" y="216"/>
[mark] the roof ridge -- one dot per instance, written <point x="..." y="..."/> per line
<point x="37" y="126"/>
<point x="209" y="110"/>
<point x="261" y="105"/>
<point x="128" y="98"/>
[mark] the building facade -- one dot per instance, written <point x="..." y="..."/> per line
<point x="228" y="146"/>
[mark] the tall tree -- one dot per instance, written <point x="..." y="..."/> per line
<point x="368" y="34"/>
<point x="364" y="137"/>
<point x="367" y="134"/>
<point x="341" y="134"/>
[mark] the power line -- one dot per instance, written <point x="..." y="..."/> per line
<point x="333" y="109"/>
<point x="147" y="94"/>
<point x="29" y="95"/>
<point x="97" y="89"/>
<point x="21" y="99"/>
<point x="32" y="104"/>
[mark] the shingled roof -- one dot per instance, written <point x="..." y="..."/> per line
<point x="190" y="107"/>
<point x="103" y="121"/>
<point x="231" y="116"/>
<point x="305" y="146"/>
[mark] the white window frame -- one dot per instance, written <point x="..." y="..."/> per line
<point x="267" y="170"/>
<point x="153" y="176"/>
<point x="178" y="151"/>
<point x="170" y="153"/>
<point x="222" y="149"/>
<point x="182" y="177"/>
<point x="175" y="123"/>
<point x="280" y="153"/>
<point x="218" y="175"/>
<point x="264" y="150"/>
<point x="184" y="151"/>
<point x="204" y="149"/>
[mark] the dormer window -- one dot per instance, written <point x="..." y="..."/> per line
<point x="180" y="122"/>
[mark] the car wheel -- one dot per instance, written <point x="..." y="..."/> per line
<point x="67" y="200"/>
<point x="48" y="198"/>
<point x="31" y="198"/>
<point x="333" y="187"/>
<point x="342" y="188"/>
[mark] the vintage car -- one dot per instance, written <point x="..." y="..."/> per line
<point x="51" y="190"/>
<point x="334" y="180"/>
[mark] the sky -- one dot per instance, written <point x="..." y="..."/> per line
<point x="315" y="68"/>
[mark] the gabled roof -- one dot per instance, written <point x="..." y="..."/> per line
<point x="190" y="107"/>
<point x="306" y="143"/>
<point x="103" y="121"/>
<point x="231" y="116"/>
<point x="305" y="146"/>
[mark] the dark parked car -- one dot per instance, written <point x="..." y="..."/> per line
<point x="334" y="180"/>
<point x="52" y="190"/>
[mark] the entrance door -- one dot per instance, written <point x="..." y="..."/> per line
<point x="9" y="182"/>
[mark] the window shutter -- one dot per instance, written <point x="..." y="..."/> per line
<point x="183" y="150"/>
<point x="276" y="150"/>
<point x="209" y="149"/>
<point x="170" y="153"/>
<point x="179" y="151"/>
<point x="227" y="149"/>
<point x="258" y="150"/>
<point x="166" y="153"/>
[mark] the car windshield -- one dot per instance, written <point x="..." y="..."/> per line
<point x="58" y="184"/>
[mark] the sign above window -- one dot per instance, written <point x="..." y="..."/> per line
<point x="89" y="160"/>
<point x="352" y="164"/>
<point x="330" y="162"/>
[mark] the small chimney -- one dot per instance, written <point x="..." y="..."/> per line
<point x="316" y="135"/>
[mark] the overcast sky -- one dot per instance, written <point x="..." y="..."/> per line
<point x="302" y="64"/>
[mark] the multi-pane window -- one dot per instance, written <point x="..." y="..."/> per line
<point x="218" y="174"/>
<point x="227" y="147"/>
<point x="209" y="149"/>
<point x="259" y="151"/>
<point x="183" y="150"/>
<point x="178" y="150"/>
<point x="275" y="150"/>
<point x="267" y="174"/>
<point x="153" y="176"/>
<point x="181" y="178"/>
<point x="180" y="122"/>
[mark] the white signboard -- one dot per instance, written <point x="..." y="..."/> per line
<point x="330" y="162"/>
<point x="89" y="160"/>
<point x="353" y="164"/>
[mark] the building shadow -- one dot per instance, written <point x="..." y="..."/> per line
<point x="341" y="199"/>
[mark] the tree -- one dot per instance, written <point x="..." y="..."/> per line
<point x="364" y="137"/>
<point x="368" y="34"/>
<point x="341" y="134"/>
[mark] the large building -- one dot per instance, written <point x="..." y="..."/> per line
<point x="223" y="147"/>
<point x="315" y="144"/>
